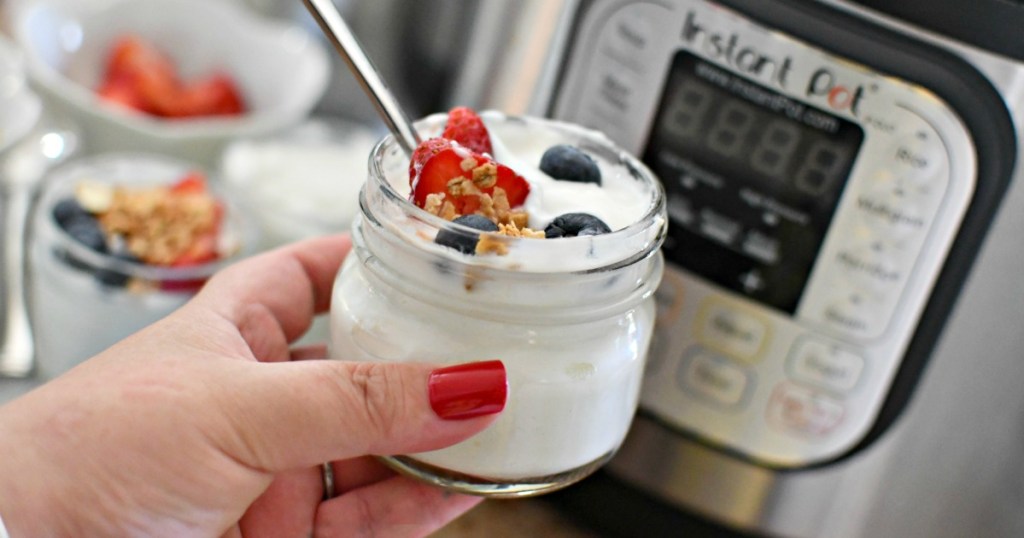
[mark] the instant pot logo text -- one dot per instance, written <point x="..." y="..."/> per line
<point x="727" y="49"/>
<point x="839" y="97"/>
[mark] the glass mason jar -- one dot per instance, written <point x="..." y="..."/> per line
<point x="82" y="301"/>
<point x="570" y="318"/>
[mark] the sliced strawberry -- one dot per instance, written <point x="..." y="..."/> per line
<point x="466" y="128"/>
<point x="516" y="187"/>
<point x="447" y="164"/>
<point x="214" y="96"/>
<point x="191" y="183"/>
<point x="121" y="91"/>
<point x="202" y="250"/>
<point x="426" y="150"/>
<point x="435" y="174"/>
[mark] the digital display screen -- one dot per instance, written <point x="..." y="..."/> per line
<point x="752" y="178"/>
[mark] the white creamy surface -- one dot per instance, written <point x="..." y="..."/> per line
<point x="619" y="201"/>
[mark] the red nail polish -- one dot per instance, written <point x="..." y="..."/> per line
<point x="468" y="390"/>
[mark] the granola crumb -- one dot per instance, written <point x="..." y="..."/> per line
<point x="491" y="244"/>
<point x="485" y="175"/>
<point x="511" y="230"/>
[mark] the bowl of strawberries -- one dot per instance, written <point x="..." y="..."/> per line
<point x="180" y="77"/>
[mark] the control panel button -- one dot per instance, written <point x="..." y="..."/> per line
<point x="728" y="330"/>
<point x="875" y="268"/>
<point x="713" y="378"/>
<point x="919" y="155"/>
<point x="826" y="365"/>
<point x="891" y="210"/>
<point x="855" y="314"/>
<point x="799" y="410"/>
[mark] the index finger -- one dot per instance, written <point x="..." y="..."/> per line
<point x="293" y="283"/>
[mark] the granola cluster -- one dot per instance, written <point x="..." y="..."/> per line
<point x="494" y="205"/>
<point x="158" y="225"/>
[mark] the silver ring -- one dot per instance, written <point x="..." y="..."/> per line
<point x="327" y="472"/>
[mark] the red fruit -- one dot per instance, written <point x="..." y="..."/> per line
<point x="202" y="250"/>
<point x="466" y="128"/>
<point x="215" y="96"/>
<point x="445" y="165"/>
<point x="192" y="183"/>
<point x="141" y="77"/>
<point x="426" y="150"/>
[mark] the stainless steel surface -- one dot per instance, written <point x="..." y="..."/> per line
<point x="331" y="22"/>
<point x="48" y="144"/>
<point x="510" y="45"/>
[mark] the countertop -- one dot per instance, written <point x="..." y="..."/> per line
<point x="514" y="518"/>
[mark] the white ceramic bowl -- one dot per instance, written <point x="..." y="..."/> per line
<point x="281" y="69"/>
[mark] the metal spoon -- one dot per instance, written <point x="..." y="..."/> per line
<point x="49" y="144"/>
<point x="334" y="27"/>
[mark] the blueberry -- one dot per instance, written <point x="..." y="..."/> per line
<point x="569" y="163"/>
<point x="86" y="230"/>
<point x="575" y="224"/>
<point x="461" y="241"/>
<point x="68" y="210"/>
<point x="113" y="277"/>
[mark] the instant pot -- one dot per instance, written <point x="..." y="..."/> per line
<point x="838" y="351"/>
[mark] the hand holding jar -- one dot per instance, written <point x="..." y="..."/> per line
<point x="206" y="423"/>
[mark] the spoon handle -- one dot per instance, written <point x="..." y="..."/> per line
<point x="17" y="352"/>
<point x="334" y="27"/>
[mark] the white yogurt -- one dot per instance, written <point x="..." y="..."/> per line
<point x="570" y="318"/>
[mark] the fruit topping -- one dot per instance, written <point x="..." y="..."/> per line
<point x="569" y="163"/>
<point x="140" y="77"/>
<point x="427" y="149"/>
<point x="455" y="181"/>
<point x="466" y="128"/>
<point x="462" y="241"/>
<point x="575" y="224"/>
<point x="87" y="232"/>
<point x="69" y="210"/>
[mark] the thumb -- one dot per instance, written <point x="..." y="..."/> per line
<point x="297" y="414"/>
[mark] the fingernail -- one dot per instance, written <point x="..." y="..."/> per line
<point x="468" y="390"/>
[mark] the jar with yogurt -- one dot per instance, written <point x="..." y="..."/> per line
<point x="91" y="285"/>
<point x="571" y="318"/>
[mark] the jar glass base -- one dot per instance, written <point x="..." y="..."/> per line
<point x="492" y="488"/>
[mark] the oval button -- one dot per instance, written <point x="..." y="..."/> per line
<point x="726" y="329"/>
<point x="826" y="365"/>
<point x="713" y="378"/>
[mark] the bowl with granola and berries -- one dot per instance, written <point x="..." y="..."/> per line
<point x="523" y="239"/>
<point x="118" y="241"/>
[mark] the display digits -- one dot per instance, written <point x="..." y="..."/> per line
<point x="775" y="148"/>
<point x="822" y="166"/>
<point x="729" y="132"/>
<point x="686" y="111"/>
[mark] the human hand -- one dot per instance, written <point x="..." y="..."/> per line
<point x="206" y="424"/>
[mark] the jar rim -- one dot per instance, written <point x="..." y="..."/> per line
<point x="647" y="232"/>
